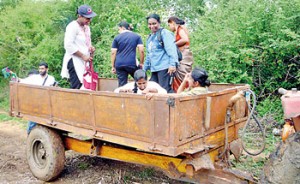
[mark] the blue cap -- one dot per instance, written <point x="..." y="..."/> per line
<point x="86" y="11"/>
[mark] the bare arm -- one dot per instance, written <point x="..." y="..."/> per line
<point x="150" y="90"/>
<point x="142" y="55"/>
<point x="82" y="56"/>
<point x="113" y="59"/>
<point x="184" y="38"/>
<point x="183" y="84"/>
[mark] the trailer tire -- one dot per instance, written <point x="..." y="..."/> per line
<point x="45" y="153"/>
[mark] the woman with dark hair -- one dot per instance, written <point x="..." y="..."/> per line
<point x="141" y="85"/>
<point x="78" y="46"/>
<point x="182" y="41"/>
<point x="196" y="81"/>
<point x="161" y="57"/>
<point x="123" y="53"/>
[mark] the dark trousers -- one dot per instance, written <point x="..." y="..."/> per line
<point x="163" y="79"/>
<point x="123" y="72"/>
<point x="74" y="81"/>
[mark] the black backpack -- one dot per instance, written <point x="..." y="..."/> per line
<point x="159" y="38"/>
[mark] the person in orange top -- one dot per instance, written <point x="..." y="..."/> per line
<point x="182" y="41"/>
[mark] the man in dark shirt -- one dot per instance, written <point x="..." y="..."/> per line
<point x="123" y="53"/>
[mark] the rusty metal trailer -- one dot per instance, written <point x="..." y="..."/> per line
<point x="185" y="136"/>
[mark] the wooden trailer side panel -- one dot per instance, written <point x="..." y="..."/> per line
<point x="190" y="116"/>
<point x="189" y="124"/>
<point x="126" y="116"/>
<point x="33" y="101"/>
<point x="72" y="108"/>
<point x="133" y="117"/>
<point x="218" y="109"/>
<point x="196" y="117"/>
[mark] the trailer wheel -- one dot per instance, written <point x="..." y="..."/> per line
<point x="45" y="153"/>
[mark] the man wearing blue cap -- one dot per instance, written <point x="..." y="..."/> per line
<point x="78" y="46"/>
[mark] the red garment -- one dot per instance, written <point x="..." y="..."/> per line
<point x="187" y="44"/>
<point x="177" y="81"/>
<point x="176" y="84"/>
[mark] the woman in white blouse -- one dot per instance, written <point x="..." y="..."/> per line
<point x="78" y="46"/>
<point x="141" y="86"/>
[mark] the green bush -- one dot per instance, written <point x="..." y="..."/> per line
<point x="31" y="32"/>
<point x="255" y="42"/>
<point x="237" y="41"/>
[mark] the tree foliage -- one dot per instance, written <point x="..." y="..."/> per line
<point x="255" y="42"/>
<point x="237" y="41"/>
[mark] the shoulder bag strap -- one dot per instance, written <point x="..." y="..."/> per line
<point x="159" y="37"/>
<point x="45" y="80"/>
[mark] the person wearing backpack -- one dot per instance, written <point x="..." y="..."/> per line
<point x="182" y="41"/>
<point x="161" y="58"/>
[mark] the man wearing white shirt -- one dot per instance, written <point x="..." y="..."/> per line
<point x="42" y="79"/>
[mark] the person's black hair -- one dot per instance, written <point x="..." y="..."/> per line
<point x="33" y="72"/>
<point x="200" y="75"/>
<point x="43" y="64"/>
<point x="125" y="25"/>
<point x="176" y="20"/>
<point x="138" y="74"/>
<point x="154" y="16"/>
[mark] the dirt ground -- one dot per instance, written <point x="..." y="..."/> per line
<point x="84" y="169"/>
<point x="79" y="169"/>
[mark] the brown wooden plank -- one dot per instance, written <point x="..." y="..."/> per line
<point x="33" y="100"/>
<point x="72" y="107"/>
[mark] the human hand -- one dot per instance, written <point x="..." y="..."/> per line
<point x="125" y="91"/>
<point x="187" y="76"/>
<point x="171" y="69"/>
<point x="149" y="96"/>
<point x="86" y="58"/>
<point x="92" y="49"/>
<point x="141" y="66"/>
<point x="149" y="90"/>
<point x="113" y="70"/>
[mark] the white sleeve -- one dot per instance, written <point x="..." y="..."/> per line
<point x="70" y="36"/>
<point x="129" y="85"/>
<point x="117" y="90"/>
<point x="33" y="80"/>
<point x="50" y="81"/>
<point x="160" y="90"/>
<point x="26" y="81"/>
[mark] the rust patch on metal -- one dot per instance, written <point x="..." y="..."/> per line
<point x="203" y="162"/>
<point x="236" y="148"/>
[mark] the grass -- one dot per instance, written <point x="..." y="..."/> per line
<point x="140" y="175"/>
<point x="6" y="118"/>
<point x="250" y="165"/>
<point x="146" y="173"/>
<point x="83" y="166"/>
<point x="4" y="105"/>
<point x="4" y="94"/>
<point x="253" y="140"/>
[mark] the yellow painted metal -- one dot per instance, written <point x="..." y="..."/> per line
<point x="127" y="155"/>
<point x="174" y="167"/>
